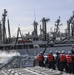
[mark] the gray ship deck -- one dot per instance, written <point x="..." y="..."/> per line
<point x="31" y="71"/>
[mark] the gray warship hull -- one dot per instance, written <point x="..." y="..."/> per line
<point x="35" y="51"/>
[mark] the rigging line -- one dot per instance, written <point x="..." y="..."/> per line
<point x="12" y="20"/>
<point x="24" y="30"/>
<point x="17" y="24"/>
<point x="27" y="29"/>
<point x="34" y="15"/>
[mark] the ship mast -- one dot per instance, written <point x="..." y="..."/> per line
<point x="57" y="24"/>
<point x="4" y="29"/>
<point x="0" y="31"/>
<point x="9" y="30"/>
<point x="70" y="26"/>
<point x="35" y="27"/>
<point x="35" y="24"/>
<point x="44" y="28"/>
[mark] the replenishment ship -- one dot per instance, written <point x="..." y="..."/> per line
<point x="34" y="43"/>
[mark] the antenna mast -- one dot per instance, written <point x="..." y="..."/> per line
<point x="34" y="15"/>
<point x="35" y="25"/>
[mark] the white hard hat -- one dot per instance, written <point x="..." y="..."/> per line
<point x="50" y="52"/>
<point x="69" y="52"/>
<point x="62" y="52"/>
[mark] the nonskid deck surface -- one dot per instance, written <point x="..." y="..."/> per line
<point x="2" y="72"/>
<point x="31" y="71"/>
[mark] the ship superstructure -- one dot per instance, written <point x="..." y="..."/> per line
<point x="30" y="40"/>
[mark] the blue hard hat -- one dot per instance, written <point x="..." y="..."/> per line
<point x="50" y="52"/>
<point x="41" y="52"/>
<point x="56" y="52"/>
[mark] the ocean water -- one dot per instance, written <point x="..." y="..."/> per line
<point x="5" y="56"/>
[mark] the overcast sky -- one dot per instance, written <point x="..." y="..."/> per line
<point x="21" y="12"/>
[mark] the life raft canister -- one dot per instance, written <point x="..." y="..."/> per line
<point x="62" y="58"/>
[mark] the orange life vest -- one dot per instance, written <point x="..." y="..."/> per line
<point x="62" y="58"/>
<point x="40" y="57"/>
<point x="50" y="57"/>
<point x="69" y="58"/>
